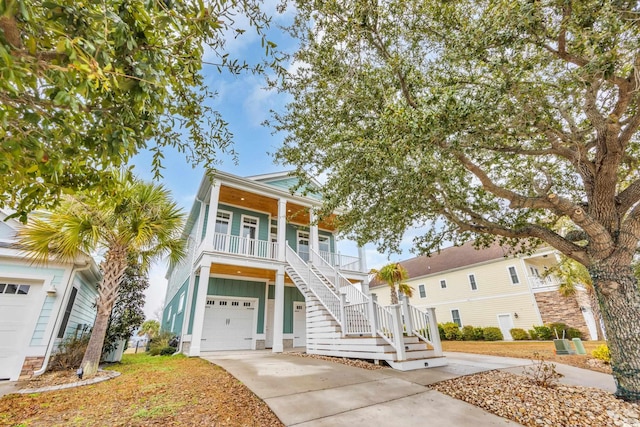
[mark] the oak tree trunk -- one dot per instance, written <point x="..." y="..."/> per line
<point x="113" y="268"/>
<point x="619" y="299"/>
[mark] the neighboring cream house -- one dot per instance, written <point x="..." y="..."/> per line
<point x="489" y="287"/>
<point x="40" y="304"/>
<point x="262" y="272"/>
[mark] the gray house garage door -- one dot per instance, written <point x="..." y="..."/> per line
<point x="229" y="324"/>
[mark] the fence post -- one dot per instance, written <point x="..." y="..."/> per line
<point x="406" y="314"/>
<point x="396" y="318"/>
<point x="373" y="315"/>
<point x="434" y="335"/>
<point x="343" y="303"/>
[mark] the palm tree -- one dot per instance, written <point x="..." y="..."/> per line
<point x="133" y="218"/>
<point x="150" y="327"/>
<point x="395" y="275"/>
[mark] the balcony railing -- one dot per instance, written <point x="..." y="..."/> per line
<point x="269" y="250"/>
<point x="541" y="282"/>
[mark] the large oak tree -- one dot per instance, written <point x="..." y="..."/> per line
<point x="86" y="85"/>
<point x="481" y="120"/>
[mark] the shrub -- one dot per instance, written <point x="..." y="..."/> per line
<point x="468" y="333"/>
<point x="478" y="333"/>
<point x="533" y="334"/>
<point x="167" y="351"/>
<point x="441" y="331"/>
<point x="543" y="333"/>
<point x="602" y="352"/>
<point x="519" y="334"/>
<point x="69" y="353"/>
<point x="492" y="333"/>
<point x="451" y="331"/>
<point x="574" y="333"/>
<point x="557" y="329"/>
<point x="161" y="341"/>
<point x="541" y="372"/>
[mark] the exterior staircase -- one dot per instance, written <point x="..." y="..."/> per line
<point x="342" y="321"/>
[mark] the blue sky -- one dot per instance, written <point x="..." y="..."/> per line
<point x="244" y="104"/>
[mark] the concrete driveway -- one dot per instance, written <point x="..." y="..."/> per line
<point x="303" y="391"/>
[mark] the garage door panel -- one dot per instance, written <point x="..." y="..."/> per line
<point x="229" y="324"/>
<point x="16" y="310"/>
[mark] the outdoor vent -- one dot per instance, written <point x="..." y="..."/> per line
<point x="211" y="302"/>
<point x="223" y="303"/>
<point x="247" y="304"/>
<point x="235" y="303"/>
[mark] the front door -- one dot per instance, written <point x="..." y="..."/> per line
<point x="299" y="324"/>
<point x="506" y="324"/>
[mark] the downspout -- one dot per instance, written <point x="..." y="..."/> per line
<point x="47" y="356"/>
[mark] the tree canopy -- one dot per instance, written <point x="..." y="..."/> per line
<point x="479" y="119"/>
<point x="86" y="85"/>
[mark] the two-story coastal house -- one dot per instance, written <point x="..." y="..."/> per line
<point x="40" y="305"/>
<point x="489" y="287"/>
<point x="263" y="272"/>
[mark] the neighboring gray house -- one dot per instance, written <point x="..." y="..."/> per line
<point x="39" y="304"/>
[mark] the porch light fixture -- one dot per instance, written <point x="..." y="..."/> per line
<point x="52" y="291"/>
<point x="515" y="315"/>
<point x="241" y="198"/>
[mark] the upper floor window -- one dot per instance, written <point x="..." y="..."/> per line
<point x="181" y="302"/>
<point x="472" y="282"/>
<point x="223" y="219"/>
<point x="323" y="243"/>
<point x="443" y="284"/>
<point x="423" y="292"/>
<point x="514" y="275"/>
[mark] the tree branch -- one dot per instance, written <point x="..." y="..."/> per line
<point x="628" y="197"/>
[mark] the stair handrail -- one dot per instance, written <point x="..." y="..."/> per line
<point x="342" y="284"/>
<point x="327" y="297"/>
<point x="422" y="324"/>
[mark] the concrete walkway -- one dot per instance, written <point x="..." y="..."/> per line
<point x="303" y="391"/>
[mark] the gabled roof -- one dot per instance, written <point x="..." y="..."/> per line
<point x="450" y="258"/>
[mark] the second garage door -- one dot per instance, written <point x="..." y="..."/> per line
<point x="229" y="324"/>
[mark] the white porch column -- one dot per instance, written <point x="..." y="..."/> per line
<point x="213" y="213"/>
<point x="282" y="229"/>
<point x="198" y="315"/>
<point x="313" y="233"/>
<point x="278" y="312"/>
<point x="362" y="254"/>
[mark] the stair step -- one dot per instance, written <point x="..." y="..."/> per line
<point x="411" y="365"/>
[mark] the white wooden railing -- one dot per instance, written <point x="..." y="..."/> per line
<point x="356" y="319"/>
<point x="244" y="246"/>
<point x="343" y="262"/>
<point x="541" y="282"/>
<point x="354" y="295"/>
<point x="422" y="324"/>
<point x="316" y="285"/>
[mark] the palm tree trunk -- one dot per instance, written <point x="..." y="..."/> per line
<point x="394" y="295"/>
<point x="114" y="266"/>
<point x="619" y="297"/>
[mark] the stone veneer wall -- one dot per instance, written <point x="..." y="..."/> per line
<point x="30" y="365"/>
<point x="557" y="308"/>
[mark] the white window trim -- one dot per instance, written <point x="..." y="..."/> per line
<point x="515" y="269"/>
<point x="422" y="290"/>
<point x="181" y="302"/>
<point x="323" y="237"/>
<point x="475" y="281"/>
<point x="230" y="219"/>
<point x="445" y="283"/>
<point x="459" y="316"/>
<point x="169" y="312"/>
<point x="243" y="217"/>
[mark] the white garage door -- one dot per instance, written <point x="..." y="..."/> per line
<point x="16" y="308"/>
<point x="229" y="324"/>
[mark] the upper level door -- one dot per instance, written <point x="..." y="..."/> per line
<point x="249" y="234"/>
<point x="303" y="245"/>
<point x="222" y="231"/>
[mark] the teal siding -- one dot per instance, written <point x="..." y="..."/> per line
<point x="83" y="312"/>
<point x="291" y="294"/>
<point x="175" y="304"/>
<point x="45" y="315"/>
<point x="240" y="288"/>
<point x="204" y="225"/>
<point x="236" y="220"/>
<point x="193" y="305"/>
<point x="288" y="183"/>
<point x="292" y="236"/>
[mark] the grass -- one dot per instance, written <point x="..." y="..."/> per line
<point x="524" y="350"/>
<point x="151" y="390"/>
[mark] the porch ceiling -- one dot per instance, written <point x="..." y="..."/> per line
<point x="296" y="213"/>
<point x="251" y="272"/>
